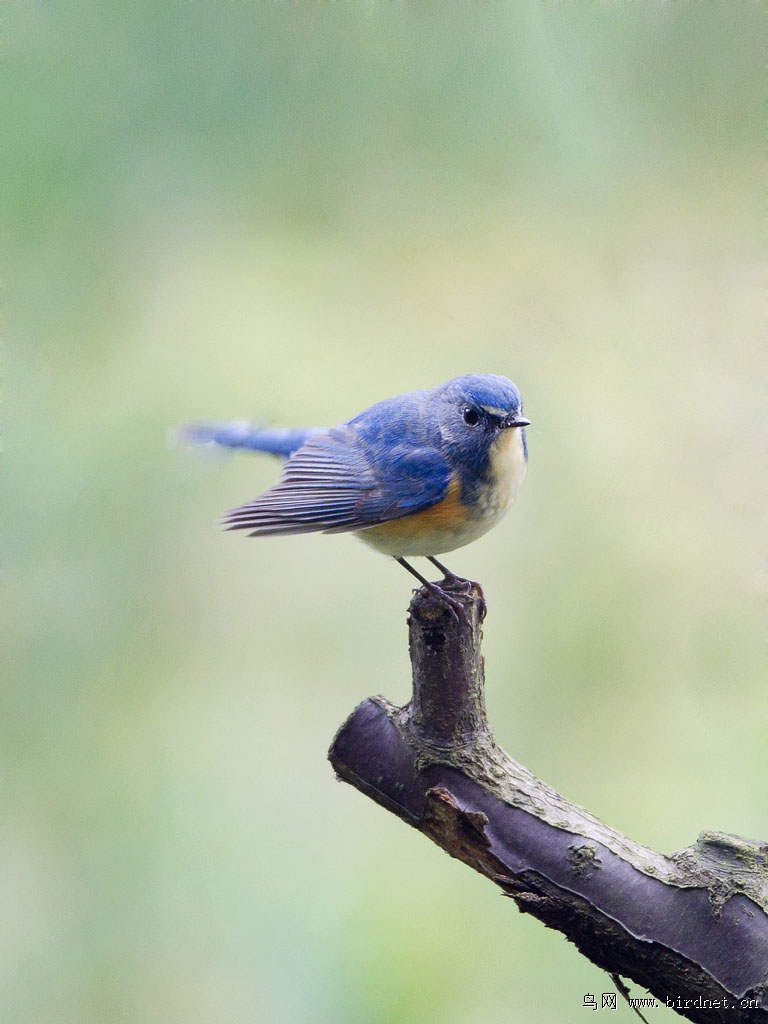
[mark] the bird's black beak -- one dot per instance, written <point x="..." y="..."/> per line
<point x="515" y="420"/>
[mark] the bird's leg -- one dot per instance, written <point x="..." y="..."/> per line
<point x="422" y="579"/>
<point x="447" y="574"/>
<point x="455" y="607"/>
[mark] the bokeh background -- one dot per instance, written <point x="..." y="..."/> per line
<point x="287" y="212"/>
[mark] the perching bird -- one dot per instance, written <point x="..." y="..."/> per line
<point x="419" y="474"/>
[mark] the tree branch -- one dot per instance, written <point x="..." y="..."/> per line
<point x="692" y="928"/>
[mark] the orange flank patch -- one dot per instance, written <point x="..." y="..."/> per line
<point x="447" y="514"/>
<point x="432" y="526"/>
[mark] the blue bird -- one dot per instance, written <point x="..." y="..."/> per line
<point x="419" y="474"/>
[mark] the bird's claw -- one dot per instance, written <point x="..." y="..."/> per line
<point x="456" y="607"/>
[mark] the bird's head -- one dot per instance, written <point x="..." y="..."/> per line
<point x="477" y="409"/>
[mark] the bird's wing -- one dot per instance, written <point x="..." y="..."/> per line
<point x="333" y="483"/>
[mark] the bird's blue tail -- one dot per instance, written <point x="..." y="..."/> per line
<point x="281" y="441"/>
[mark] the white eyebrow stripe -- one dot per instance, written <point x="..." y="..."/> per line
<point x="493" y="410"/>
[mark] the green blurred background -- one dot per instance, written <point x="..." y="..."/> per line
<point x="288" y="212"/>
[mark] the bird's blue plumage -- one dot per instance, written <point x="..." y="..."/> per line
<point x="280" y="441"/>
<point x="447" y="449"/>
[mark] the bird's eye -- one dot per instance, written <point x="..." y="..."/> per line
<point x="471" y="416"/>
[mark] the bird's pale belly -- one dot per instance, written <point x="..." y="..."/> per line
<point x="450" y="524"/>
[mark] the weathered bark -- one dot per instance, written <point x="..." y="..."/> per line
<point x="692" y="928"/>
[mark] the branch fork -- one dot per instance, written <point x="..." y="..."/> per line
<point x="692" y="928"/>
